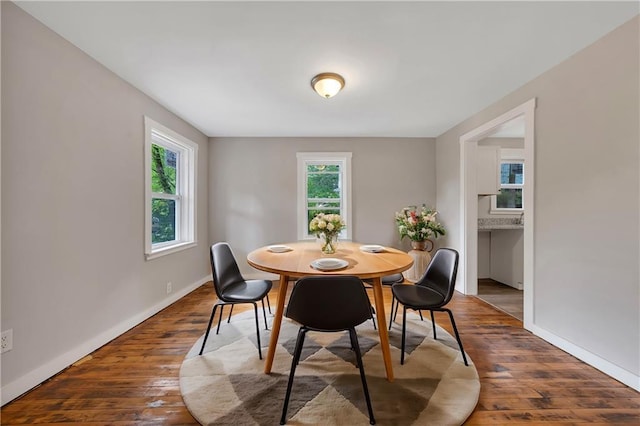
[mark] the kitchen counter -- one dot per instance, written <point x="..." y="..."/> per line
<point x="489" y="224"/>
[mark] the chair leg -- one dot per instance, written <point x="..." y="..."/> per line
<point x="266" y="327"/>
<point x="294" y="363"/>
<point x="255" y="310"/>
<point x="404" y="331"/>
<point x="354" y="343"/>
<point x="373" y="320"/>
<point x="395" y="314"/>
<point x="206" y="334"/>
<point x="391" y="316"/>
<point x="356" y="347"/>
<point x="230" y="313"/>
<point x="420" y="312"/>
<point x="433" y="324"/>
<point x="220" y="318"/>
<point x="268" y="304"/>
<point x="455" y="329"/>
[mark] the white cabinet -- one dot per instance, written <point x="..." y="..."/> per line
<point x="507" y="257"/>
<point x="488" y="170"/>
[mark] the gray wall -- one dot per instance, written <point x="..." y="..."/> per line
<point x="586" y="194"/>
<point x="252" y="187"/>
<point x="73" y="264"/>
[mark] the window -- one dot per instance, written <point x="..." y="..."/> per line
<point x="170" y="204"/>
<point x="324" y="186"/>
<point x="510" y="198"/>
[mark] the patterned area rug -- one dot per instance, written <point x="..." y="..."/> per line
<point x="227" y="385"/>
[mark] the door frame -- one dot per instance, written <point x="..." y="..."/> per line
<point x="468" y="265"/>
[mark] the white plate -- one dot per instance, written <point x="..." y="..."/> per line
<point x="372" y="248"/>
<point x="329" y="264"/>
<point x="279" y="248"/>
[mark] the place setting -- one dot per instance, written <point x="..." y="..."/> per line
<point x="279" y="248"/>
<point x="329" y="264"/>
<point x="372" y="248"/>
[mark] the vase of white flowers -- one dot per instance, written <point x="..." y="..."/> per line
<point x="328" y="243"/>
<point x="326" y="228"/>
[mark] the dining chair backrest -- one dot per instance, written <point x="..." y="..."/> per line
<point x="329" y="303"/>
<point x="441" y="273"/>
<point x="224" y="268"/>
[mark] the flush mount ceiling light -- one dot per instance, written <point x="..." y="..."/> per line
<point x="327" y="84"/>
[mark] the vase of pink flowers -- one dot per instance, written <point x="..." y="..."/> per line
<point x="419" y="225"/>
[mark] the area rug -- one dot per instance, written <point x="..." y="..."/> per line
<point x="227" y="384"/>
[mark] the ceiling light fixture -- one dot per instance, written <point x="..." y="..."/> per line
<point x="327" y="84"/>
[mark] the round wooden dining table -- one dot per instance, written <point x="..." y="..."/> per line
<point x="296" y="263"/>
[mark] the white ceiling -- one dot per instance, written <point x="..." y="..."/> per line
<point x="412" y="69"/>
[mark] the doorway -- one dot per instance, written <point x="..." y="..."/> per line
<point x="469" y="202"/>
<point x="501" y="222"/>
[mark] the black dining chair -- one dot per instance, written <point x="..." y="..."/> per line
<point x="433" y="292"/>
<point x="328" y="304"/>
<point x="232" y="289"/>
<point x="266" y="327"/>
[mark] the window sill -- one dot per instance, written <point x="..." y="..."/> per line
<point x="512" y="212"/>
<point x="170" y="249"/>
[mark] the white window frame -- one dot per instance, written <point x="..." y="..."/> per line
<point x="157" y="134"/>
<point x="342" y="159"/>
<point x="509" y="156"/>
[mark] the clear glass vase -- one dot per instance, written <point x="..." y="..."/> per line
<point x="328" y="243"/>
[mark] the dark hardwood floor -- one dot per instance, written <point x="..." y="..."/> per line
<point x="134" y="379"/>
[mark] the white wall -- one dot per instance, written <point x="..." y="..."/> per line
<point x="252" y="189"/>
<point x="74" y="273"/>
<point x="587" y="200"/>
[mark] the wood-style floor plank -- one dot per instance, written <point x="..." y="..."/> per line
<point x="134" y="378"/>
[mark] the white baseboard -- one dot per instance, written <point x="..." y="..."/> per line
<point x="608" y="368"/>
<point x="12" y="390"/>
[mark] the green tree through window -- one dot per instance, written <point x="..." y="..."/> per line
<point x="169" y="191"/>
<point x="163" y="180"/>
<point x="323" y="190"/>
<point x="324" y="186"/>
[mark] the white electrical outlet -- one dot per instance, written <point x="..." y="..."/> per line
<point x="169" y="288"/>
<point x="6" y="341"/>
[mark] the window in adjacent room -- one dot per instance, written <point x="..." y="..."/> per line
<point x="509" y="200"/>
<point x="324" y="186"/>
<point x="170" y="178"/>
